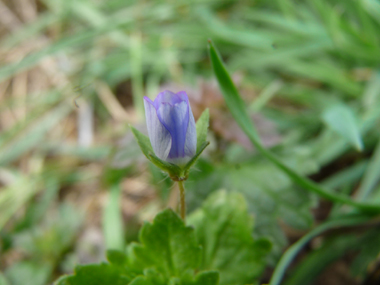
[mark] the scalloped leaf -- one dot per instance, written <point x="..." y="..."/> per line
<point x="167" y="245"/>
<point x="224" y="229"/>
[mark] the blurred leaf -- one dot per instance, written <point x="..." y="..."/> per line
<point x="112" y="220"/>
<point x="224" y="229"/>
<point x="342" y="221"/>
<point x="202" y="128"/>
<point x="342" y="120"/>
<point x="315" y="262"/>
<point x="369" y="252"/>
<point x="3" y="281"/>
<point x="36" y="211"/>
<point x="25" y="272"/>
<point x="371" y="176"/>
<point x="32" y="134"/>
<point x="206" y="278"/>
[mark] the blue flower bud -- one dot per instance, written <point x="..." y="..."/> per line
<point x="171" y="127"/>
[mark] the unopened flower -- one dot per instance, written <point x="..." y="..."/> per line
<point x="171" y="127"/>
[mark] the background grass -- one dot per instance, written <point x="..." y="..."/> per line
<point x="73" y="74"/>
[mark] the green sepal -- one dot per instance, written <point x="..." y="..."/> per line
<point x="187" y="167"/>
<point x="202" y="128"/>
<point x="146" y="147"/>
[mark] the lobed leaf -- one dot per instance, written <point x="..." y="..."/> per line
<point x="224" y="229"/>
<point x="167" y="245"/>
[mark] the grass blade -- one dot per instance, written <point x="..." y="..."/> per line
<point x="292" y="251"/>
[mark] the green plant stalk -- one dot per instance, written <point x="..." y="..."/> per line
<point x="237" y="109"/>
<point x="292" y="251"/>
<point x="182" y="201"/>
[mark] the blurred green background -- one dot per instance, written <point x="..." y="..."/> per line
<point x="73" y="75"/>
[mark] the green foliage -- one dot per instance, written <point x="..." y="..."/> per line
<point x="96" y="274"/>
<point x="342" y="120"/>
<point x="267" y="190"/>
<point x="44" y="244"/>
<point x="369" y="249"/>
<point x="321" y="258"/>
<point x="168" y="253"/>
<point x="322" y="52"/>
<point x="171" y="253"/>
<point x="237" y="108"/>
<point x="224" y="229"/>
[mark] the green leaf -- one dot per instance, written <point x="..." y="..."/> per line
<point x="207" y="278"/>
<point x="224" y="229"/>
<point x="230" y="94"/>
<point x="202" y="127"/>
<point x="167" y="245"/>
<point x="27" y="272"/>
<point x="96" y="274"/>
<point x="371" y="176"/>
<point x="342" y="120"/>
<point x="268" y="192"/>
<point x="369" y="251"/>
<point x="152" y="277"/>
<point x="116" y="257"/>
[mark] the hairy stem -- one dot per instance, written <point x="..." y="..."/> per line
<point x="182" y="203"/>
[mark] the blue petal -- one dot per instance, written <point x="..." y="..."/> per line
<point x="175" y="118"/>
<point x="191" y="134"/>
<point x="167" y="97"/>
<point x="159" y="136"/>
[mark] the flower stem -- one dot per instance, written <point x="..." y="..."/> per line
<point x="182" y="203"/>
